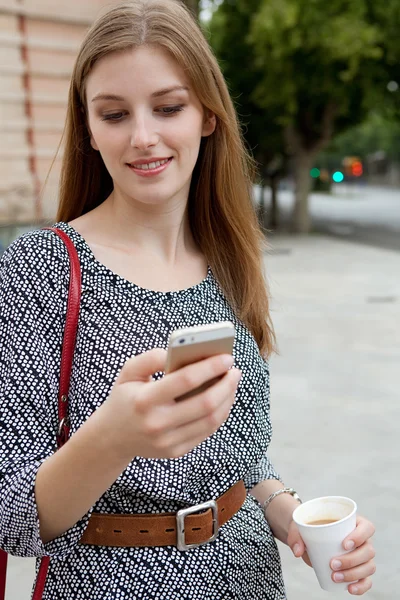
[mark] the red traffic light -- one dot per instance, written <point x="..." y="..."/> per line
<point x="357" y="168"/>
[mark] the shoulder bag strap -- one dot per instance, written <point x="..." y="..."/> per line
<point x="3" y="574"/>
<point x="69" y="341"/>
<point x="67" y="356"/>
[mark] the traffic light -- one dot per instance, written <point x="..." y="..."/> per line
<point x="357" y="168"/>
<point x="353" y="166"/>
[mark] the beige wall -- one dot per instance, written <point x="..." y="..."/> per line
<point x="39" y="40"/>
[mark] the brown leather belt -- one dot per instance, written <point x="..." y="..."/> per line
<point x="184" y="529"/>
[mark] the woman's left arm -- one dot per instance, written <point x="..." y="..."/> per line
<point x="357" y="565"/>
<point x="280" y="510"/>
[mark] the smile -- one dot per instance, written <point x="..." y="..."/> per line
<point x="150" y="168"/>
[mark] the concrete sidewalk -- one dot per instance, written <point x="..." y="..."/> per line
<point x="335" y="392"/>
<point x="335" y="400"/>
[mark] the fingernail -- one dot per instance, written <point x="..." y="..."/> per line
<point x="338" y="577"/>
<point x="296" y="549"/>
<point x="354" y="590"/>
<point x="336" y="564"/>
<point x="349" y="545"/>
<point x="227" y="361"/>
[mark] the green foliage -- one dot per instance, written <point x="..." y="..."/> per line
<point x="302" y="71"/>
<point x="314" y="53"/>
<point x="238" y="60"/>
<point x="299" y="56"/>
<point x="377" y="133"/>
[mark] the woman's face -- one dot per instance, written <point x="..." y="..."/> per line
<point x="147" y="124"/>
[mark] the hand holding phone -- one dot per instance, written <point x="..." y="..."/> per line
<point x="142" y="413"/>
<point x="187" y="346"/>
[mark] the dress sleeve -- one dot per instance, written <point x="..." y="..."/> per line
<point x="33" y="295"/>
<point x="262" y="471"/>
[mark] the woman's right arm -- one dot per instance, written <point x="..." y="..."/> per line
<point x="47" y="495"/>
<point x="140" y="418"/>
<point x="33" y="289"/>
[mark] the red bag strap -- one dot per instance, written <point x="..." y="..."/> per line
<point x="67" y="357"/>
<point x="3" y="573"/>
<point x="70" y="332"/>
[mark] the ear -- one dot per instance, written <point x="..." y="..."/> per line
<point x="93" y="143"/>
<point x="209" y="125"/>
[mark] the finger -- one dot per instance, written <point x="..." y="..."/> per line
<point x="205" y="427"/>
<point x="357" y="557"/>
<point x="206" y="403"/>
<point x="142" y="366"/>
<point x="363" y="531"/>
<point x="306" y="559"/>
<point x="295" y="541"/>
<point x="186" y="437"/>
<point x="194" y="439"/>
<point x="361" y="572"/>
<point x="167" y="421"/>
<point x="193" y="376"/>
<point x="359" y="588"/>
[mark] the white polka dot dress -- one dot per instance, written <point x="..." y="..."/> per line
<point x="118" y="320"/>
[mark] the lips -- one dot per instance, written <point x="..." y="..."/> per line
<point x="146" y="166"/>
<point x="150" y="167"/>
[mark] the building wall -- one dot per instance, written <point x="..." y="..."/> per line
<point x="39" y="40"/>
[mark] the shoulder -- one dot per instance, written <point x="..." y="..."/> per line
<point x="39" y="245"/>
<point x="37" y="258"/>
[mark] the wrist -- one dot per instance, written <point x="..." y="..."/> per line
<point x="280" y="492"/>
<point x="278" y="511"/>
<point x="110" y="435"/>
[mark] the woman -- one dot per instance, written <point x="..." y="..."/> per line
<point x="156" y="197"/>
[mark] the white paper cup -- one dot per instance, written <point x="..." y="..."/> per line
<point x="324" y="542"/>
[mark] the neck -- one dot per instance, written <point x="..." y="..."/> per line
<point x="162" y="232"/>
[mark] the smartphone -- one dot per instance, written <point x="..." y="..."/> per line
<point x="187" y="346"/>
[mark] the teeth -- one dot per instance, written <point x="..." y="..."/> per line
<point x="152" y="165"/>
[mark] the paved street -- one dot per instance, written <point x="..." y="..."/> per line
<point x="358" y="213"/>
<point x="335" y="399"/>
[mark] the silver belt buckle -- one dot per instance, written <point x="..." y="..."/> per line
<point x="180" y="521"/>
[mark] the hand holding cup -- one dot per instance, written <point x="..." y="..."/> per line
<point x="340" y="551"/>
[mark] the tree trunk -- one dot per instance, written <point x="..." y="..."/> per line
<point x="274" y="217"/>
<point x="303" y="163"/>
<point x="261" y="206"/>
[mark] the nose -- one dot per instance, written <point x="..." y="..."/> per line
<point x="144" y="134"/>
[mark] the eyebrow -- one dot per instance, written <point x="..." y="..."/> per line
<point x="158" y="94"/>
<point x="164" y="92"/>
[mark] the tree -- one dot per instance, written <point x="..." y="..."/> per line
<point x="321" y="66"/>
<point x="229" y="30"/>
<point x="376" y="134"/>
<point x="194" y="6"/>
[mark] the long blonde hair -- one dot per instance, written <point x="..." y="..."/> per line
<point x="221" y="212"/>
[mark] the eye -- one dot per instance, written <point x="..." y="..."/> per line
<point x="170" y="110"/>
<point x="114" y="117"/>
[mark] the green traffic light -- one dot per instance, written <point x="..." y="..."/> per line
<point x="315" y="173"/>
<point x="338" y="177"/>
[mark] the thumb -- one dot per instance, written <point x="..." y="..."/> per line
<point x="295" y="541"/>
<point x="142" y="366"/>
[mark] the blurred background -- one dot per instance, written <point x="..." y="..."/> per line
<point x="316" y="86"/>
<point x="317" y="89"/>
